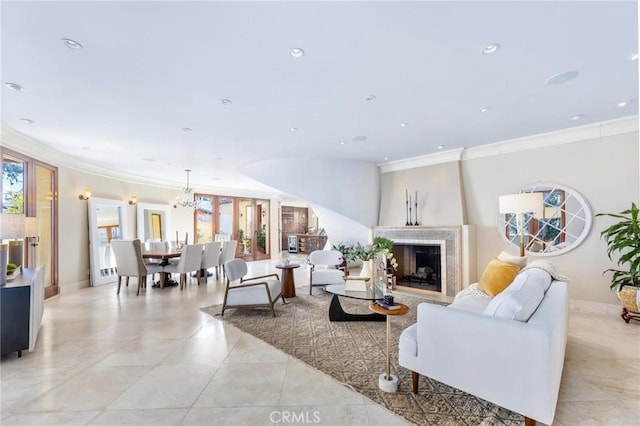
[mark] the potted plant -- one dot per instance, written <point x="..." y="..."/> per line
<point x="623" y="239"/>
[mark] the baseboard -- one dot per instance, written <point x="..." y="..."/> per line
<point x="595" y="308"/>
<point x="71" y="287"/>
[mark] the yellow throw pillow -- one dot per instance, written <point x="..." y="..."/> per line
<point x="497" y="276"/>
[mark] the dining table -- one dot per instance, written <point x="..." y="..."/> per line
<point x="164" y="257"/>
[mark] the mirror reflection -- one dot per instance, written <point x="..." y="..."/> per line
<point x="107" y="222"/>
<point x="152" y="222"/>
<point x="562" y="225"/>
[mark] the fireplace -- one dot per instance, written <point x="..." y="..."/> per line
<point x="433" y="259"/>
<point x="419" y="266"/>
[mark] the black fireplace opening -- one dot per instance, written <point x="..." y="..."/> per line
<point x="419" y="266"/>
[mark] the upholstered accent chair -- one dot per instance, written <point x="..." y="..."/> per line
<point x="129" y="262"/>
<point x="241" y="292"/>
<point x="189" y="261"/>
<point x="324" y="268"/>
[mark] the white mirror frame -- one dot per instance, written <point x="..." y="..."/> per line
<point x="141" y="212"/>
<point x="582" y="214"/>
<point x="101" y="276"/>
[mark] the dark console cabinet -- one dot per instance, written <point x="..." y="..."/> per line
<point x="15" y="318"/>
<point x="21" y="309"/>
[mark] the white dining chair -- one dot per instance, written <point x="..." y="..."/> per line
<point x="129" y="263"/>
<point x="210" y="259"/>
<point x="228" y="253"/>
<point x="189" y="261"/>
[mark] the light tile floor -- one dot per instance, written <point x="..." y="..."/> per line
<point x="156" y="359"/>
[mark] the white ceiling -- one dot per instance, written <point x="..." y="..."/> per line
<point x="150" y="69"/>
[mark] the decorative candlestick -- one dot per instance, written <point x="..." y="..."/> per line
<point x="410" y="214"/>
<point x="406" y="194"/>
<point x="416" y="222"/>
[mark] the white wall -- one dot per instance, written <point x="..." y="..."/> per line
<point x="337" y="190"/>
<point x="600" y="162"/>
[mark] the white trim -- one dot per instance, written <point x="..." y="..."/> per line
<point x="574" y="134"/>
<point x="27" y="145"/>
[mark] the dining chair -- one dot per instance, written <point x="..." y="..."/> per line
<point x="189" y="261"/>
<point x="210" y="258"/>
<point x="129" y="262"/>
<point x="260" y="292"/>
<point x="228" y="253"/>
<point x="324" y="264"/>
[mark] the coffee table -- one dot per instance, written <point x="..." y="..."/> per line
<point x="337" y="313"/>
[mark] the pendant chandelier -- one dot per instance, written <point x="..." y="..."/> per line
<point x="185" y="198"/>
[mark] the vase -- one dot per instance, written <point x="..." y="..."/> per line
<point x="630" y="298"/>
<point x="366" y="269"/>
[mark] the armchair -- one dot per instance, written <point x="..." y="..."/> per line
<point x="324" y="270"/>
<point x="239" y="293"/>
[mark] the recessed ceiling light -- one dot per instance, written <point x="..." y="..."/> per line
<point x="293" y="129"/>
<point x="151" y="160"/>
<point x="441" y="146"/>
<point x="14" y="86"/>
<point x="370" y="98"/>
<point x="491" y="48"/>
<point x="187" y="129"/>
<point x="71" y="44"/>
<point x="26" y="120"/>
<point x="623" y="104"/>
<point x="296" y="52"/>
<point x="359" y="139"/>
<point x="576" y="117"/>
<point x="632" y="57"/>
<point x="343" y="142"/>
<point x="386" y="158"/>
<point x="562" y="77"/>
<point x="405" y="124"/>
<point x="485" y="109"/>
<point x="225" y="101"/>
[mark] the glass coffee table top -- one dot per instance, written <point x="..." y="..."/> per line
<point x="337" y="313"/>
<point x="373" y="292"/>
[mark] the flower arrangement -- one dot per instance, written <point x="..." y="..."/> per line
<point x="368" y="252"/>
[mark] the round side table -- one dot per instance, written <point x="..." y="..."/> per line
<point x="288" y="283"/>
<point x="388" y="382"/>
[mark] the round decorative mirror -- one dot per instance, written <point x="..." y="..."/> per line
<point x="561" y="225"/>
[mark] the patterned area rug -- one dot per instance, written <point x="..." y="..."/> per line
<point x="354" y="354"/>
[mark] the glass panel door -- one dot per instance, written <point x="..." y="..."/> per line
<point x="44" y="246"/>
<point x="225" y="219"/>
<point x="262" y="220"/>
<point x="205" y="226"/>
<point x="245" y="228"/>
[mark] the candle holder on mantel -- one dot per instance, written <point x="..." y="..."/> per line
<point x="416" y="222"/>
<point x="407" y="213"/>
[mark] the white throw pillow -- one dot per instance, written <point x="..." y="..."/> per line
<point x="521" y="299"/>
<point x="513" y="260"/>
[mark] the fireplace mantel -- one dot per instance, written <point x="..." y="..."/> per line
<point x="458" y="242"/>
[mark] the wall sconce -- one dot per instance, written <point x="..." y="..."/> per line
<point x="133" y="200"/>
<point x="85" y="195"/>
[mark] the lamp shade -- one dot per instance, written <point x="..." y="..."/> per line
<point x="11" y="226"/>
<point x="526" y="202"/>
<point x="30" y="227"/>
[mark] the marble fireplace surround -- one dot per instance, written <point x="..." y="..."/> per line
<point x="456" y="241"/>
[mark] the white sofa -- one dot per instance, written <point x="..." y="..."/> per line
<point x="476" y="346"/>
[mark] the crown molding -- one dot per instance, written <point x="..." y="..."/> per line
<point x="423" y="160"/>
<point x="574" y="134"/>
<point x="27" y="145"/>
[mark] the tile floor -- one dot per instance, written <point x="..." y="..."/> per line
<point x="157" y="360"/>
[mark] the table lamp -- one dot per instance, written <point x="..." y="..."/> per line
<point x="521" y="203"/>
<point x="11" y="227"/>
